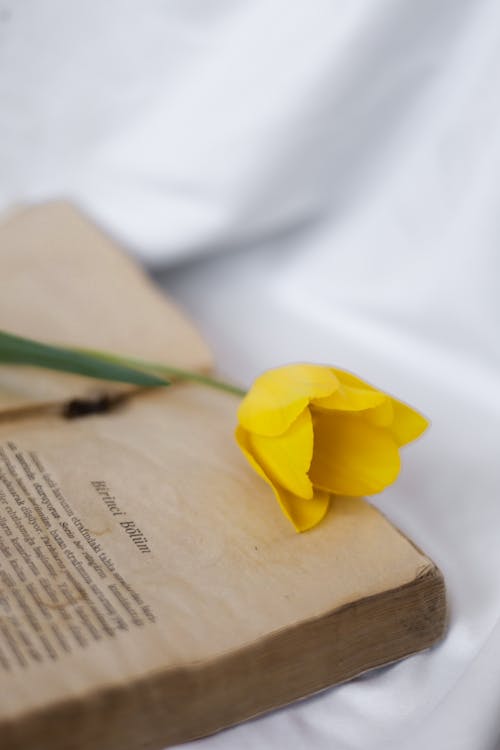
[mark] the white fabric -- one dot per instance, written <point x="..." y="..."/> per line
<point x="337" y="165"/>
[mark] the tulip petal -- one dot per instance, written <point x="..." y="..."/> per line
<point x="381" y="415"/>
<point x="403" y="422"/>
<point x="351" y="398"/>
<point x="304" y="514"/>
<point x="353" y="394"/>
<point x="242" y="438"/>
<point x="352" y="456"/>
<point x="347" y="378"/>
<point x="379" y="408"/>
<point x="286" y="458"/>
<point x="407" y="424"/>
<point x="278" y="396"/>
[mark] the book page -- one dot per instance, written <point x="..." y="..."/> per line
<point x="141" y="541"/>
<point x="64" y="282"/>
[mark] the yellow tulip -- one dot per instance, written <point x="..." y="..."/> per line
<point x="312" y="431"/>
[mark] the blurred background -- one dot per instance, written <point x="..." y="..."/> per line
<point x="311" y="181"/>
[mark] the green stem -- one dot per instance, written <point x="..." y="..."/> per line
<point x="17" y="350"/>
<point x="194" y="377"/>
<point x="172" y="373"/>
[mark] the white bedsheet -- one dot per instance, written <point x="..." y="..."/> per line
<point x="314" y="181"/>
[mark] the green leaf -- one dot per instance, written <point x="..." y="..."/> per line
<point x="16" y="350"/>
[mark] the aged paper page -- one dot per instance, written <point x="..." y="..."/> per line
<point x="64" y="282"/>
<point x="140" y="541"/>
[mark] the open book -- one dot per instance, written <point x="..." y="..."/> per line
<point x="151" y="591"/>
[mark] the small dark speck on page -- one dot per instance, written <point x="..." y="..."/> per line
<point x="101" y="404"/>
<point x="256" y="548"/>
